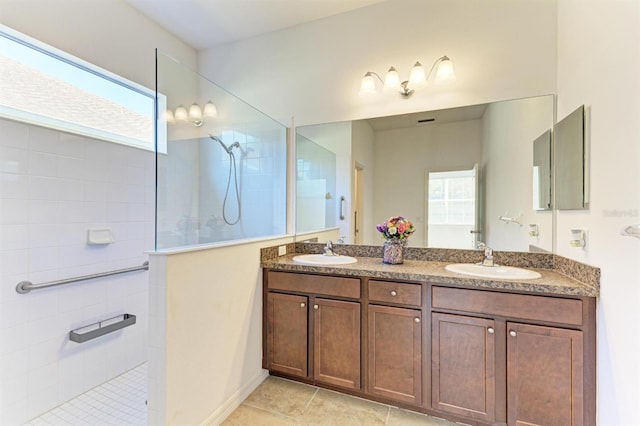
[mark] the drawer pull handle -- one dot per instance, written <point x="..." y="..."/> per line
<point x="512" y="333"/>
<point x="416" y="319"/>
<point x="315" y="306"/>
<point x="394" y="293"/>
<point x="302" y="305"/>
<point x="491" y="330"/>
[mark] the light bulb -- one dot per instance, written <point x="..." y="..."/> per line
<point x="368" y="85"/>
<point x="444" y="73"/>
<point x="392" y="79"/>
<point x="417" y="78"/>
<point x="195" y="113"/>
<point x="168" y="116"/>
<point x="210" y="110"/>
<point x="181" y="113"/>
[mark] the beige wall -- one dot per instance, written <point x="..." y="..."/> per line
<point x="403" y="156"/>
<point x="500" y="49"/>
<point x="589" y="32"/>
<point x="362" y="147"/>
<point x="110" y="34"/>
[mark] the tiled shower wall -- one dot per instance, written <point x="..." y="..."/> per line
<point x="54" y="187"/>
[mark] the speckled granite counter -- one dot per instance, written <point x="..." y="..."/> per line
<point x="552" y="282"/>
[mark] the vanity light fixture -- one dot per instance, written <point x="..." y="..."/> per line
<point x="194" y="115"/>
<point x="417" y="78"/>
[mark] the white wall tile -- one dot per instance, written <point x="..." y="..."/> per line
<point x="44" y="140"/>
<point x="14" y="134"/>
<point x="43" y="164"/>
<point x="14" y="160"/>
<point x="13" y="185"/>
<point x="53" y="188"/>
<point x="14" y="237"/>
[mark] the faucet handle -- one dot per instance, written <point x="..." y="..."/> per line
<point x="488" y="251"/>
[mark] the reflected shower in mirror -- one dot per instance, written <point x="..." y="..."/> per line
<point x="315" y="186"/>
<point x="394" y="156"/>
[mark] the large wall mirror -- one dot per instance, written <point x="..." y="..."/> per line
<point x="463" y="176"/>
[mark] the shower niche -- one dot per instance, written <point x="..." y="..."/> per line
<point x="221" y="164"/>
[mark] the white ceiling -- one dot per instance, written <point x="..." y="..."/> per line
<point x="206" y="23"/>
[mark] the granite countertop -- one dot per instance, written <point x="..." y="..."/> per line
<point x="551" y="282"/>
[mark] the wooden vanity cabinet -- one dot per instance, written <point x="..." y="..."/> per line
<point x="477" y="356"/>
<point x="313" y="337"/>
<point x="499" y="368"/>
<point x="463" y="360"/>
<point x="395" y="353"/>
<point x="287" y="337"/>
<point x="544" y="375"/>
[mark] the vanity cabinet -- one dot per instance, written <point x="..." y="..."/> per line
<point x="309" y="335"/>
<point x="463" y="366"/>
<point x="544" y="375"/>
<point x="538" y="369"/>
<point x="336" y="343"/>
<point x="472" y="355"/>
<point x="286" y="323"/>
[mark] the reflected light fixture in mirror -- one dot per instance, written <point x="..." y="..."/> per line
<point x="417" y="78"/>
<point x="195" y="115"/>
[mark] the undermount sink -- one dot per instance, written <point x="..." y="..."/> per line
<point x="500" y="272"/>
<point x="323" y="259"/>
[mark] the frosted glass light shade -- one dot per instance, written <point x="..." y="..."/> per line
<point x="367" y="85"/>
<point x="210" y="110"/>
<point x="168" y="116"/>
<point x="195" y="113"/>
<point x="181" y="113"/>
<point x="418" y="78"/>
<point x="444" y="73"/>
<point x="392" y="79"/>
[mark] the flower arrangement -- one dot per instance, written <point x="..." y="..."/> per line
<point x="396" y="228"/>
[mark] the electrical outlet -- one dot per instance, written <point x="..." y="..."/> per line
<point x="282" y="250"/>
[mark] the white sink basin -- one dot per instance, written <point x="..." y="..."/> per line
<point x="500" y="272"/>
<point x="324" y="260"/>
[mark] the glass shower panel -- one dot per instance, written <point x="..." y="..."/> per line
<point x="221" y="163"/>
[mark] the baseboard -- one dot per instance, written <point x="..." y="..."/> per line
<point x="218" y="416"/>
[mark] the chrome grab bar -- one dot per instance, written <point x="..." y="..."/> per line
<point x="24" y="287"/>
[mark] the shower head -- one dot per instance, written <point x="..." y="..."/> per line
<point x="225" y="147"/>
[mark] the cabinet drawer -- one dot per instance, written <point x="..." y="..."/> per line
<point x="392" y="292"/>
<point x="537" y="308"/>
<point x="316" y="284"/>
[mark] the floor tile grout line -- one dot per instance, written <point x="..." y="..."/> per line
<point x="310" y="400"/>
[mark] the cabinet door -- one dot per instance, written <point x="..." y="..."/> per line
<point x="337" y="343"/>
<point x="544" y="375"/>
<point x="287" y="333"/>
<point x="463" y="366"/>
<point x="395" y="353"/>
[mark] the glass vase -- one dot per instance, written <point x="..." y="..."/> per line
<point x="393" y="252"/>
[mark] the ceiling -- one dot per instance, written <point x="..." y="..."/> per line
<point x="473" y="112"/>
<point x="203" y="24"/>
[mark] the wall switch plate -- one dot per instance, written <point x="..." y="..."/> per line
<point x="282" y="250"/>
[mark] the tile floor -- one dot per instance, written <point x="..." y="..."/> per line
<point x="118" y="402"/>
<point x="283" y="402"/>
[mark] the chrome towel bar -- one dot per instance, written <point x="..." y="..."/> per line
<point x="24" y="287"/>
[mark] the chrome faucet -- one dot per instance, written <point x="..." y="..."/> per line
<point x="328" y="249"/>
<point x="488" y="257"/>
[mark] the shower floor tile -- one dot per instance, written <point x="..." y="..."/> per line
<point x="120" y="401"/>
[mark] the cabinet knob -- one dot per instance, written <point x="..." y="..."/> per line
<point x="394" y="293"/>
<point x="512" y="333"/>
<point x="490" y="330"/>
<point x="416" y="319"/>
<point x="302" y="305"/>
<point x="315" y="306"/>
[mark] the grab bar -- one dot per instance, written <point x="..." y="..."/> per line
<point x="24" y="287"/>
